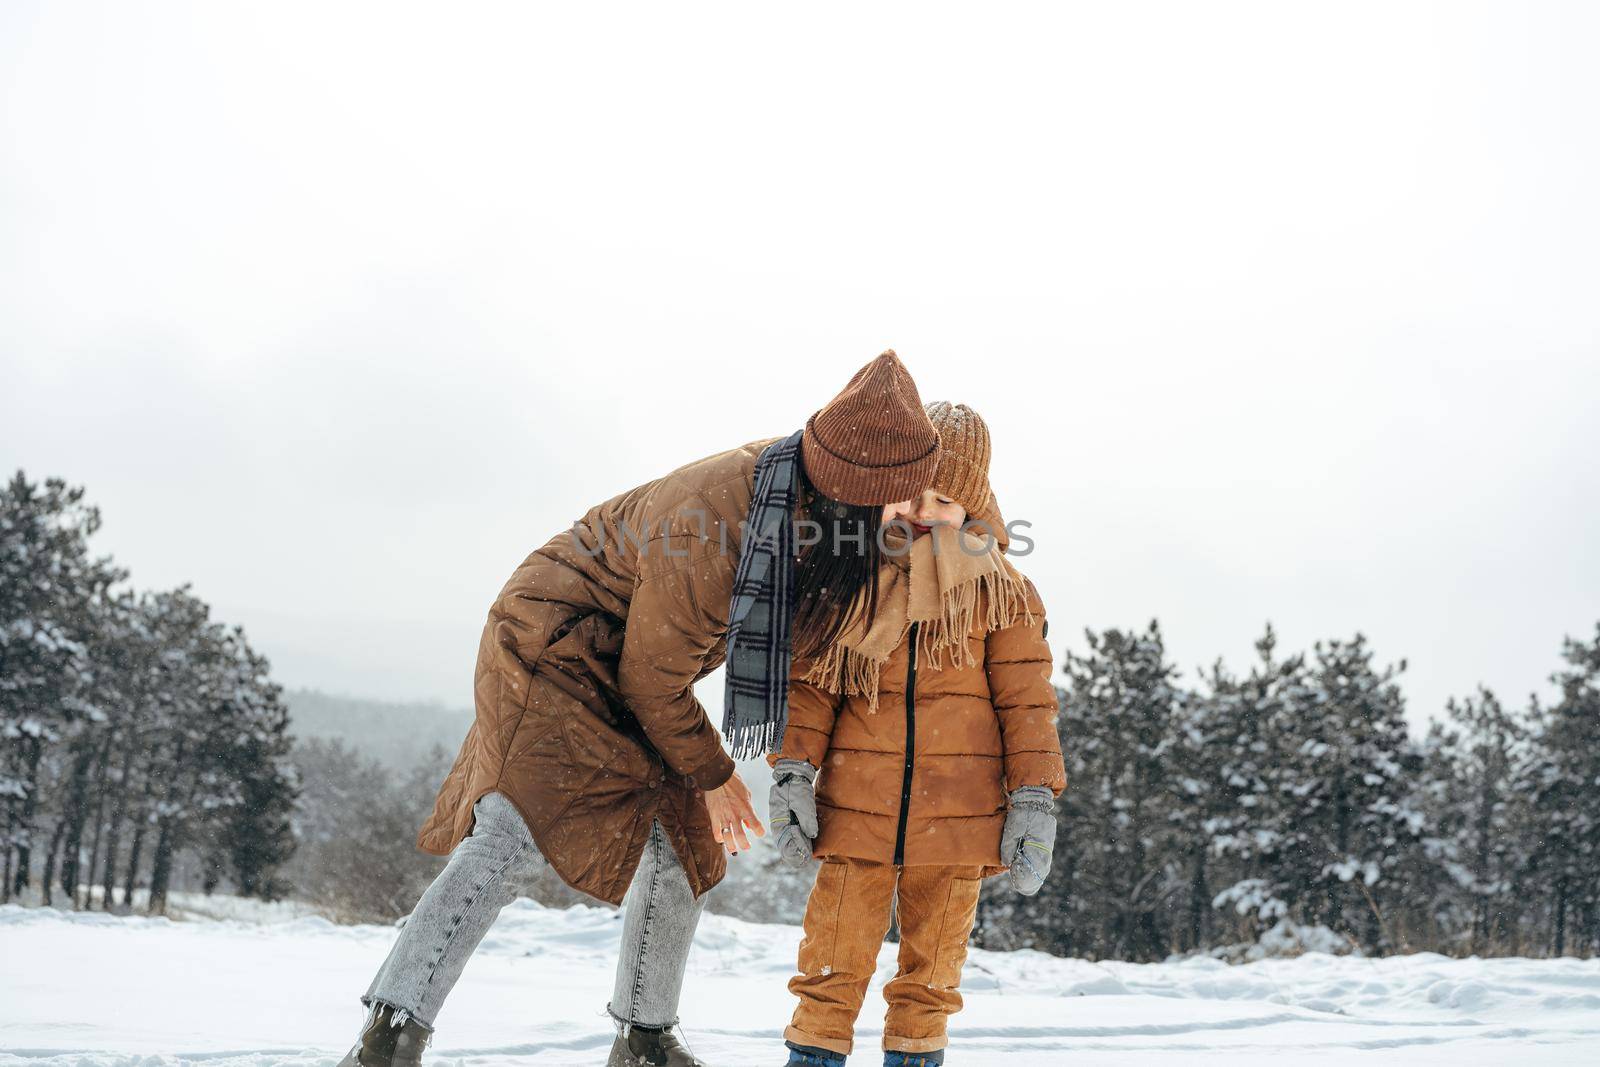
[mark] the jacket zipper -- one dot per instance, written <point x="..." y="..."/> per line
<point x="911" y="747"/>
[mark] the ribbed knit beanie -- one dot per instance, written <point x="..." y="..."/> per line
<point x="873" y="443"/>
<point x="963" y="473"/>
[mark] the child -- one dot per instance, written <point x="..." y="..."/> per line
<point x="920" y="757"/>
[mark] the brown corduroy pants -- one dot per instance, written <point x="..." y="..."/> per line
<point x="846" y="920"/>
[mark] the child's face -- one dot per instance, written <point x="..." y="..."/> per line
<point x="926" y="512"/>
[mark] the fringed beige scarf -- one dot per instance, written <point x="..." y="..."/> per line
<point x="938" y="586"/>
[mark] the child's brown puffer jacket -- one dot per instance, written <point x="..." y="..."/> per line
<point x="975" y="730"/>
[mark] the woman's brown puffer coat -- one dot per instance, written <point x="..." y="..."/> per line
<point x="586" y="718"/>
<point x="974" y="733"/>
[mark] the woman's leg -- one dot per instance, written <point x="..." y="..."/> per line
<point x="659" y="916"/>
<point x="937" y="909"/>
<point x="454" y="913"/>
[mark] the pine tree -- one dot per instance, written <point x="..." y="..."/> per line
<point x="1248" y="820"/>
<point x="1118" y="866"/>
<point x="202" y="713"/>
<point x="48" y="586"/>
<point x="1477" y="761"/>
<point x="256" y="830"/>
<point x="1350" y="786"/>
<point x="1566" y="800"/>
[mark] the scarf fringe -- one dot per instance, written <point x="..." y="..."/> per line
<point x="940" y="642"/>
<point x="944" y="639"/>
<point x="844" y="670"/>
<point x="749" y="740"/>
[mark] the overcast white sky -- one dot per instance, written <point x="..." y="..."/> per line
<point x="1277" y="311"/>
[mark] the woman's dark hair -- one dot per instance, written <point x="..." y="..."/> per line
<point x="836" y="579"/>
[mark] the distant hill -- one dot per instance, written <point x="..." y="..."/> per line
<point x="395" y="734"/>
<point x="401" y="735"/>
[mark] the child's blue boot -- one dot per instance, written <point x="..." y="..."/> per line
<point x="810" y="1056"/>
<point x="914" y="1059"/>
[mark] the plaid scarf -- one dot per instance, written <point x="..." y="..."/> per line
<point x="756" y="702"/>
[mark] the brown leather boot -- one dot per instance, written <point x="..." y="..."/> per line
<point x="389" y="1041"/>
<point x="639" y="1047"/>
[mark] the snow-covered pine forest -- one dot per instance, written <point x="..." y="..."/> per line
<point x="134" y="728"/>
<point x="1264" y="810"/>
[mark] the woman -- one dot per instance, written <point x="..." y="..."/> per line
<point x="929" y="732"/>
<point x="591" y="755"/>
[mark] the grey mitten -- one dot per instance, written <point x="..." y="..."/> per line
<point x="1029" y="839"/>
<point x="792" y="809"/>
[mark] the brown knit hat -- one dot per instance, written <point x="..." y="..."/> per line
<point x="963" y="473"/>
<point x="873" y="443"/>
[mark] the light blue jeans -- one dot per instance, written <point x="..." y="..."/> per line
<point x="659" y="916"/>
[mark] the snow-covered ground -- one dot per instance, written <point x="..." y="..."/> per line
<point x="270" y="987"/>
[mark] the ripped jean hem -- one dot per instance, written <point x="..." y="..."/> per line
<point x="401" y="1015"/>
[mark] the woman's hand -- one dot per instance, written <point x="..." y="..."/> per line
<point x="731" y="811"/>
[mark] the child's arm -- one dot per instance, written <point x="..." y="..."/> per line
<point x="792" y="804"/>
<point x="1018" y="663"/>
<point x="811" y="715"/>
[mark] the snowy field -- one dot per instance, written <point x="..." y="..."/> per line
<point x="248" y="987"/>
